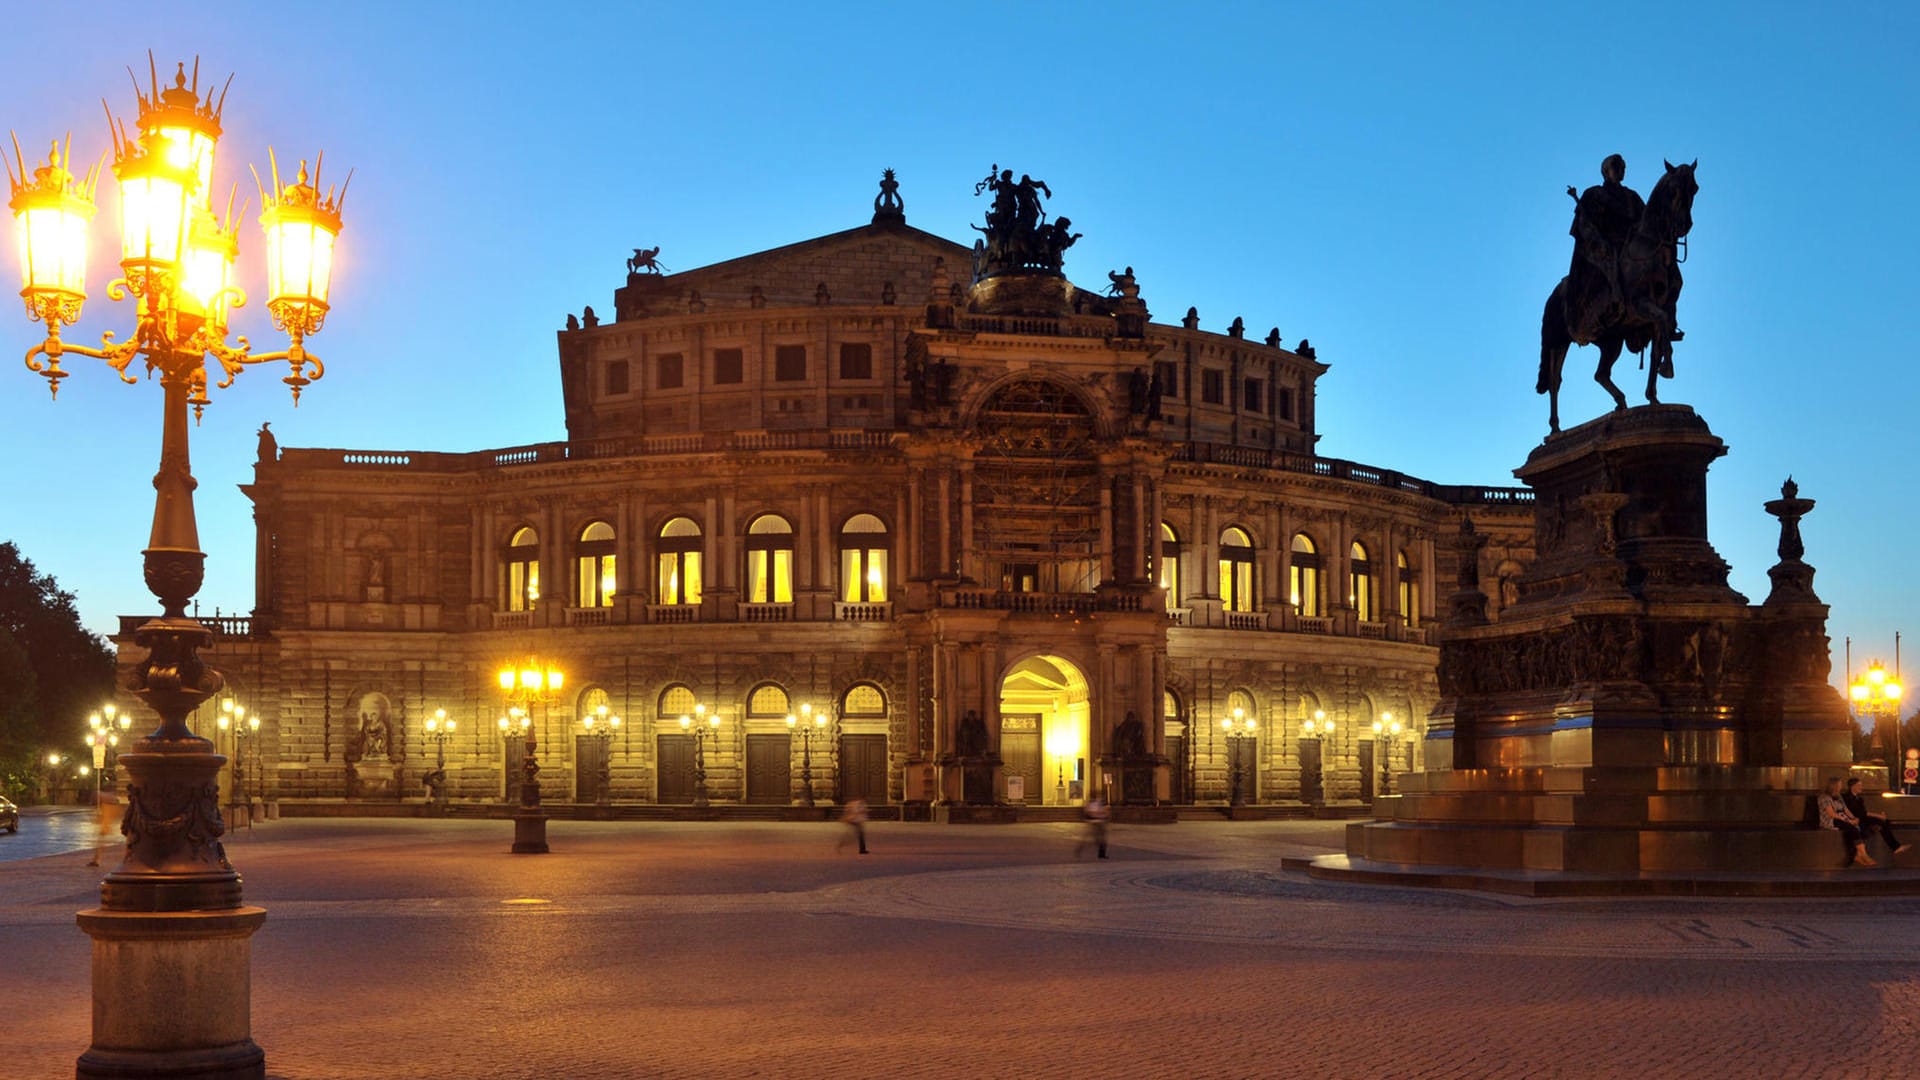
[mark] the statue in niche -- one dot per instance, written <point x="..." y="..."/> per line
<point x="1130" y="738"/>
<point x="970" y="741"/>
<point x="372" y="739"/>
<point x="269" y="448"/>
<point x="887" y="294"/>
<point x="375" y="583"/>
<point x="645" y="261"/>
<point x="1155" y="390"/>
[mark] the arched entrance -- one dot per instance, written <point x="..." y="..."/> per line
<point x="1045" y="709"/>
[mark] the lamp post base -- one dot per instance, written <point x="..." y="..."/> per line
<point x="143" y="965"/>
<point x="529" y="832"/>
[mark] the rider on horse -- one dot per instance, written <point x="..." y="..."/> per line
<point x="1603" y="221"/>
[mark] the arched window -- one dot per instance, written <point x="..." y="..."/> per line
<point x="1170" y="707"/>
<point x="767" y="702"/>
<point x="594" y="561"/>
<point x="1170" y="564"/>
<point x="1304" y="584"/>
<point x="679" y="563"/>
<point x="863" y="560"/>
<point x="676" y="701"/>
<point x="769" y="561"/>
<point x="863" y="701"/>
<point x="1313" y="717"/>
<point x="592" y="699"/>
<point x="1236" y="570"/>
<point x="1409" y="589"/>
<point x="523" y="569"/>
<point x="1240" y="699"/>
<point x="1360" y="582"/>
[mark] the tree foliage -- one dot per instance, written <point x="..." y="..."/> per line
<point x="52" y="670"/>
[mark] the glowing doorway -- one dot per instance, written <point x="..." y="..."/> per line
<point x="1044" y="714"/>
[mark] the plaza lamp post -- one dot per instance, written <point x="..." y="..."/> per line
<point x="171" y="926"/>
<point x="232" y="721"/>
<point x="513" y="726"/>
<point x="1240" y="732"/>
<point x="699" y="724"/>
<point x="1386" y="735"/>
<point x="53" y="777"/>
<point x="1062" y="745"/>
<point x="529" y="683"/>
<point x="602" y="723"/>
<point x="1876" y="695"/>
<point x="807" y="723"/>
<point x="439" y="728"/>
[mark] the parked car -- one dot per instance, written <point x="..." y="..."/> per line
<point x="9" y="815"/>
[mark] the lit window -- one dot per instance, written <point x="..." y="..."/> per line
<point x="679" y="563"/>
<point x="767" y="702"/>
<point x="1409" y="589"/>
<point x="594" y="562"/>
<point x="1170" y="564"/>
<point x="675" y="701"/>
<point x="523" y="570"/>
<point x="1236" y="571"/>
<point x="1360" y="582"/>
<point x="1304" y="577"/>
<point x="592" y="700"/>
<point x="863" y="700"/>
<point x="769" y="560"/>
<point x="863" y="560"/>
<point x="1170" y="706"/>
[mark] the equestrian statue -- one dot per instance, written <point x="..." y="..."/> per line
<point x="1624" y="283"/>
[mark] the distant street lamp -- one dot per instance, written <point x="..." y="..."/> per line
<point x="1315" y="727"/>
<point x="439" y="732"/>
<point x="1240" y="734"/>
<point x="1386" y="734"/>
<point x="529" y="683"/>
<point x="1876" y="695"/>
<point x="513" y="726"/>
<point x="601" y="723"/>
<point x="807" y="723"/>
<point x="700" y="724"/>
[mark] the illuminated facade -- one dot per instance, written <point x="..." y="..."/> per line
<point x="833" y="474"/>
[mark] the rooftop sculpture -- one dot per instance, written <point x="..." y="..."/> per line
<point x="1018" y="238"/>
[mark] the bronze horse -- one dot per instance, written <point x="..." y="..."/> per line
<point x="1650" y="283"/>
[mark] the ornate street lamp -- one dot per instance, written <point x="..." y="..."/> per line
<point x="439" y="727"/>
<point x="1876" y="696"/>
<point x="1316" y="727"/>
<point x="529" y="683"/>
<point x="105" y="726"/>
<point x="1240" y="729"/>
<point x="513" y="726"/>
<point x="601" y="723"/>
<point x="807" y="723"/>
<point x="1386" y="736"/>
<point x="700" y="723"/>
<point x="173" y="906"/>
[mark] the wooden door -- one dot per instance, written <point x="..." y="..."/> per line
<point x="674" y="754"/>
<point x="863" y="768"/>
<point x="1177" y="769"/>
<point x="590" y="754"/>
<point x="1310" y="787"/>
<point x="1366" y="772"/>
<point x="1244" y="755"/>
<point x="770" y="768"/>
<point x="1020" y="756"/>
<point x="516" y="757"/>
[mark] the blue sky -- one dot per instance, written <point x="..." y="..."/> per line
<point x="1385" y="179"/>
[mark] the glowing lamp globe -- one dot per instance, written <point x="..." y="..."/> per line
<point x="155" y="215"/>
<point x="301" y="224"/>
<point x="52" y="211"/>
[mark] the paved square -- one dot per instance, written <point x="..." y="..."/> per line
<point x="420" y="948"/>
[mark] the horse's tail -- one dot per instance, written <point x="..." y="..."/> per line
<point x="1554" y="339"/>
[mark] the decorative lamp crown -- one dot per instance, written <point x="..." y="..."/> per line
<point x="53" y="209"/>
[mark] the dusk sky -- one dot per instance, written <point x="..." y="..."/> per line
<point x="1386" y="180"/>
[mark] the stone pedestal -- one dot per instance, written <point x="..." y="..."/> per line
<point x="1631" y="713"/>
<point x="172" y="995"/>
<point x="373" y="778"/>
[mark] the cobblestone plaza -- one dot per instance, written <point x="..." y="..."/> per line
<point x="410" y="947"/>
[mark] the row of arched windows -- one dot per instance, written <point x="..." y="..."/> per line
<point x="1304" y="592"/>
<point x="1305" y="705"/>
<point x="679" y="578"/>
<point x="766" y="702"/>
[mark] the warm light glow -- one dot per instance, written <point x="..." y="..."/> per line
<point x="555" y="680"/>
<point x="301" y="225"/>
<point x="52" y="211"/>
<point x="613" y="721"/>
<point x="91" y="738"/>
<point x="187" y="149"/>
<point x="1252" y="724"/>
<point x="154" y="214"/>
<point x="1226" y="723"/>
<point x="713" y="720"/>
<point x="93" y="721"/>
<point x="1892" y="691"/>
<point x="53" y="759"/>
<point x="1859" y="691"/>
<point x="792" y="721"/>
<point x="1876" y="674"/>
<point x="503" y="723"/>
<point x="686" y="722"/>
<point x="253" y="723"/>
<point x="226" y="722"/>
<point x="529" y="678"/>
<point x="86" y="770"/>
<point x="506" y="678"/>
<point x="587" y="721"/>
<point x="208" y="272"/>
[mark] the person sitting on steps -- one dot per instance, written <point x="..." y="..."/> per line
<point x="1857" y="806"/>
<point x="1835" y="815"/>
